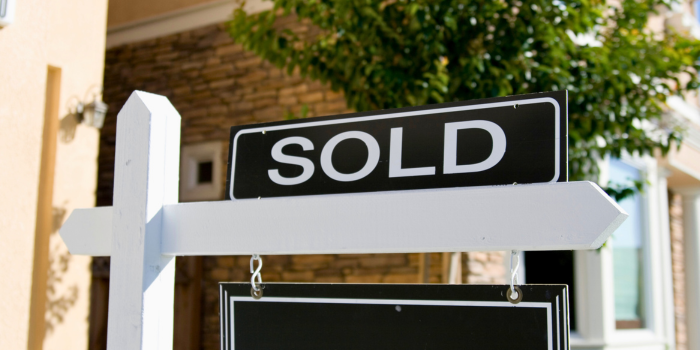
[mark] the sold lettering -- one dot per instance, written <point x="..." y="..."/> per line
<point x="450" y="165"/>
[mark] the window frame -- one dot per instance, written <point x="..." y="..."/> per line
<point x="594" y="276"/>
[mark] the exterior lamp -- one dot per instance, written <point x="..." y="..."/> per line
<point x="93" y="113"/>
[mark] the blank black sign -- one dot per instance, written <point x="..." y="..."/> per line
<point x="494" y="141"/>
<point x="346" y="316"/>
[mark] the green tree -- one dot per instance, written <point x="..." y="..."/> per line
<point x="396" y="53"/>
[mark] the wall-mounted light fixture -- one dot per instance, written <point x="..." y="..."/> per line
<point x="7" y="12"/>
<point x="93" y="113"/>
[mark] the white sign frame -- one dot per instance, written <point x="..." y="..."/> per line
<point x="147" y="227"/>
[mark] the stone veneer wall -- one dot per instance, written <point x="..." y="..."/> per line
<point x="675" y="212"/>
<point x="215" y="84"/>
<point x="484" y="267"/>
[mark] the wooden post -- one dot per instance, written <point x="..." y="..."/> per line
<point x="146" y="178"/>
<point x="452" y="268"/>
<point x="423" y="267"/>
<point x="445" y="273"/>
<point x="455" y="268"/>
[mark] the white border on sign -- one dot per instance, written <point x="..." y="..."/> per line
<point x="408" y="114"/>
<point x="558" y="325"/>
<point x="231" y="333"/>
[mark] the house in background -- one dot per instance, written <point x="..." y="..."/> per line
<point x="635" y="293"/>
<point x="638" y="292"/>
<point x="52" y="59"/>
<point x="181" y="50"/>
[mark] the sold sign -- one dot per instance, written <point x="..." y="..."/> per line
<point x="517" y="139"/>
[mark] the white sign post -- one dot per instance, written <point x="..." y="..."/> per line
<point x="146" y="228"/>
<point x="147" y="163"/>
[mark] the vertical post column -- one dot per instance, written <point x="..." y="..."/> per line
<point x="146" y="175"/>
<point x="691" y="234"/>
<point x="666" y="309"/>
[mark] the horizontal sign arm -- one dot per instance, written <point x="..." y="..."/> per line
<point x="89" y="231"/>
<point x="555" y="216"/>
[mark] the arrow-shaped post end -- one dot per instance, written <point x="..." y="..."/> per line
<point x="614" y="224"/>
<point x="88" y="231"/>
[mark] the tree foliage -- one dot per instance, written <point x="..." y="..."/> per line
<point x="396" y="53"/>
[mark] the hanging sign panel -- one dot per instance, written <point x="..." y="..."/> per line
<point x="493" y="141"/>
<point x="366" y="316"/>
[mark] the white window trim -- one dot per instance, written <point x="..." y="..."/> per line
<point x="595" y="299"/>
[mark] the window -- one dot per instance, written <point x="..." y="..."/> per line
<point x="205" y="172"/>
<point x="620" y="295"/>
<point x="201" y="172"/>
<point x="627" y="252"/>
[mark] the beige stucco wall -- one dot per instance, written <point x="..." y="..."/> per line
<point x="125" y="11"/>
<point x="68" y="35"/>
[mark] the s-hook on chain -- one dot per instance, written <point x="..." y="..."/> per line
<point x="256" y="290"/>
<point x="514" y="294"/>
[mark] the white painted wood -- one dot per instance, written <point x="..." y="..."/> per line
<point x="146" y="178"/>
<point x="574" y="215"/>
<point x="88" y="231"/>
<point x="655" y="267"/>
<point x="577" y="215"/>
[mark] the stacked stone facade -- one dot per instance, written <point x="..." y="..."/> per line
<point x="212" y="82"/>
<point x="215" y="84"/>
<point x="484" y="267"/>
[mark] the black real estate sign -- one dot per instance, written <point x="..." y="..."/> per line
<point x="492" y="141"/>
<point x="393" y="316"/>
